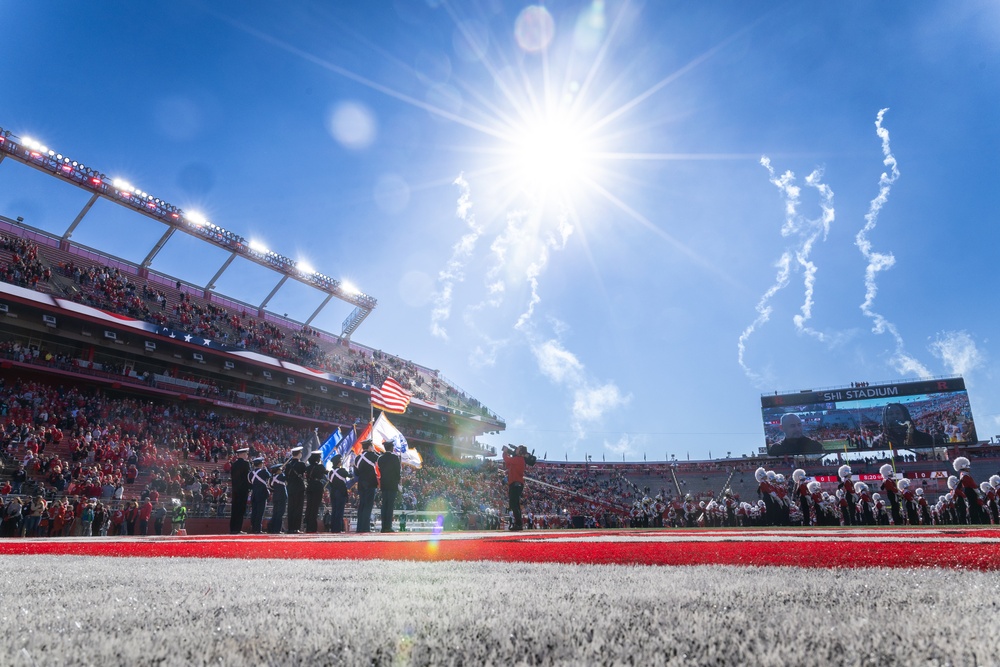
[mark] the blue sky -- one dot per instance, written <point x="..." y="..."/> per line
<point x="561" y="208"/>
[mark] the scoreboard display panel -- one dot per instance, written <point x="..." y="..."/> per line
<point x="907" y="415"/>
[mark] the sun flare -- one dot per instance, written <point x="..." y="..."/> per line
<point x="552" y="155"/>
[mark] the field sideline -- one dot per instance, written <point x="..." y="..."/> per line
<point x="643" y="597"/>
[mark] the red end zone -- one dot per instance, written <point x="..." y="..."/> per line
<point x="977" y="549"/>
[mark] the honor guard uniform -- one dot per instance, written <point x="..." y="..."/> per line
<point x="366" y="470"/>
<point x="279" y="498"/>
<point x="315" y="484"/>
<point x="240" y="481"/>
<point x="390" y="476"/>
<point x="259" y="490"/>
<point x="340" y="482"/>
<point x="295" y="470"/>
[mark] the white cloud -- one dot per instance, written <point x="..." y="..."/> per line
<point x="958" y="352"/>
<point x="592" y="403"/>
<point x="557" y="363"/>
<point x="622" y="446"/>
<point x="454" y="270"/>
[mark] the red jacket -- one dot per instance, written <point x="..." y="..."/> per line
<point x="515" y="468"/>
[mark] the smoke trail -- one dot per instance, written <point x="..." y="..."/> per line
<point x="809" y="231"/>
<point x="764" y="311"/>
<point x="878" y="262"/>
<point x="454" y="270"/>
<point x="802" y="254"/>
<point x="554" y="242"/>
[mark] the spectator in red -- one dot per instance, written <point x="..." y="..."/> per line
<point x="145" y="511"/>
<point x="117" y="521"/>
<point x="131" y="516"/>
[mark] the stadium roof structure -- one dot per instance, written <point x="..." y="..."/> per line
<point x="38" y="156"/>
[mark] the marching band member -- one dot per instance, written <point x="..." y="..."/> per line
<point x="848" y="486"/>
<point x="922" y="508"/>
<point x="879" y="509"/>
<point x="801" y="493"/>
<point x="891" y="493"/>
<point x="959" y="500"/>
<point x="783" y="502"/>
<point x="816" y="498"/>
<point x="909" y="502"/>
<point x="969" y="487"/>
<point x="992" y="498"/>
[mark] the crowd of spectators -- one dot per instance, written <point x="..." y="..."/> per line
<point x="111" y="289"/>
<point x="24" y="268"/>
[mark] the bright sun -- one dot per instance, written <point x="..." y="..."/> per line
<point x="552" y="155"/>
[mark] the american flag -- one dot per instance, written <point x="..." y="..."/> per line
<point x="390" y="397"/>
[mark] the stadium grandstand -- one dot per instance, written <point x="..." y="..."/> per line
<point x="124" y="384"/>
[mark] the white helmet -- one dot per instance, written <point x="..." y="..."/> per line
<point x="886" y="471"/>
<point x="770" y="475"/>
<point x="919" y="491"/>
<point x="844" y="470"/>
<point x="952" y="481"/>
<point x="760" y="474"/>
<point x="813" y="486"/>
<point x="798" y="475"/>
<point x="961" y="463"/>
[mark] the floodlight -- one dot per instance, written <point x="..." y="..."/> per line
<point x="195" y="218"/>
<point x="257" y="246"/>
<point x="305" y="267"/>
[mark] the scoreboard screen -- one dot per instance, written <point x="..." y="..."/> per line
<point x="908" y="415"/>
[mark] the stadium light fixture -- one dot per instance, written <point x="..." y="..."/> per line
<point x="34" y="153"/>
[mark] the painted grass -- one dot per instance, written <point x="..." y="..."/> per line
<point x="74" y="610"/>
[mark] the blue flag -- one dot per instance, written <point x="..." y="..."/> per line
<point x="329" y="447"/>
<point x="346" y="443"/>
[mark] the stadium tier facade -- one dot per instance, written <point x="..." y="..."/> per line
<point x="128" y="327"/>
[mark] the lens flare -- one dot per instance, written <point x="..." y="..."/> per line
<point x="552" y="153"/>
